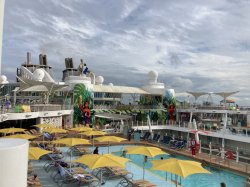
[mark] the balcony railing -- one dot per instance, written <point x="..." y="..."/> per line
<point x="36" y="108"/>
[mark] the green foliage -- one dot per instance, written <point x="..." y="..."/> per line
<point x="141" y="116"/>
<point x="81" y="95"/>
<point x="101" y="121"/>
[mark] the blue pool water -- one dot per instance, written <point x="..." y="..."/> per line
<point x="200" y="180"/>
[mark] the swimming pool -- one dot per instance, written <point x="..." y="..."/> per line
<point x="202" y="180"/>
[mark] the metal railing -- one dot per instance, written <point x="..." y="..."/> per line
<point x="37" y="108"/>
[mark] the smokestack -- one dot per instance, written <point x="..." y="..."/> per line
<point x="41" y="59"/>
<point x="1" y="29"/>
<point x="29" y="58"/>
<point x="69" y="63"/>
<point x="45" y="60"/>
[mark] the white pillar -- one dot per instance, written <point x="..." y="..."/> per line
<point x="223" y="148"/>
<point x="210" y="148"/>
<point x="225" y="122"/>
<point x="200" y="147"/>
<point x="149" y="127"/>
<point x="190" y="118"/>
<point x="13" y="162"/>
<point x="1" y="30"/>
<point x="237" y="154"/>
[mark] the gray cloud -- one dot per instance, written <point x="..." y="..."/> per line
<point x="194" y="45"/>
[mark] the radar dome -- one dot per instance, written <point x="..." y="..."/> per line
<point x="38" y="75"/>
<point x="153" y="76"/>
<point x="3" y="79"/>
<point x="99" y="80"/>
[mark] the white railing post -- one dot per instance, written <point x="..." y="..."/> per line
<point x="210" y="148"/>
<point x="200" y="147"/>
<point x="237" y="154"/>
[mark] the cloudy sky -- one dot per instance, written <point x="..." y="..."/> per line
<point x="195" y="45"/>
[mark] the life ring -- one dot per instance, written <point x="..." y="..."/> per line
<point x="229" y="155"/>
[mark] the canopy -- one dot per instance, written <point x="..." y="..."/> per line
<point x="28" y="85"/>
<point x="94" y="161"/>
<point x="222" y="94"/>
<point x="226" y="94"/>
<point x="72" y="141"/>
<point x="109" y="139"/>
<point x="118" y="89"/>
<point x="35" y="153"/>
<point x="182" y="168"/>
<point x="197" y="94"/>
<point x="93" y="133"/>
<point x="54" y="130"/>
<point x="143" y="150"/>
<point x="81" y="129"/>
<point x="11" y="130"/>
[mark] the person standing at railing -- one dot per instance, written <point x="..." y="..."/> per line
<point x="7" y="105"/>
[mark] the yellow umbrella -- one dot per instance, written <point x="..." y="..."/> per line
<point x="143" y="150"/>
<point x="81" y="129"/>
<point x="54" y="130"/>
<point x="93" y="133"/>
<point x="146" y="151"/>
<point x="44" y="126"/>
<point x="35" y="153"/>
<point x="11" y="130"/>
<point x="182" y="168"/>
<point x="109" y="139"/>
<point x="21" y="136"/>
<point x="72" y="141"/>
<point x="94" y="161"/>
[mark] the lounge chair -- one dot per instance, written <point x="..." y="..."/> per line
<point x="166" y="139"/>
<point x="67" y="177"/>
<point x="63" y="177"/>
<point x="125" y="182"/>
<point x="77" y="150"/>
<point x="146" y="136"/>
<point x="154" y="137"/>
<point x="114" y="172"/>
<point x="157" y="138"/>
<point x="33" y="182"/>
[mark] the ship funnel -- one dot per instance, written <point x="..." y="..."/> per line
<point x="69" y="63"/>
<point x="43" y="60"/>
<point x="29" y="58"/>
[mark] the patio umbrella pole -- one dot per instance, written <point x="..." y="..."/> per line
<point x="70" y="158"/>
<point x="143" y="170"/>
<point x="102" y="183"/>
<point x="93" y="144"/>
<point x="43" y="139"/>
<point x="176" y="180"/>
